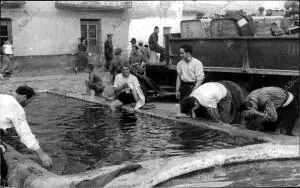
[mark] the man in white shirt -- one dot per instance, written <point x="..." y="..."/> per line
<point x="212" y="99"/>
<point x="12" y="114"/>
<point x="190" y="72"/>
<point x="127" y="89"/>
<point x="6" y="66"/>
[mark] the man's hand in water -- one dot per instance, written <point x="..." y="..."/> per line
<point x="47" y="161"/>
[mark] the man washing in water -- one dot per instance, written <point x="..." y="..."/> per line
<point x="13" y="115"/>
<point x="95" y="82"/>
<point x="276" y="107"/>
<point x="127" y="89"/>
<point x="212" y="100"/>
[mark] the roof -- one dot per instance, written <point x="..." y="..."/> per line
<point x="97" y="5"/>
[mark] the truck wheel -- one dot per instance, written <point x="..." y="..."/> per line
<point x="238" y="95"/>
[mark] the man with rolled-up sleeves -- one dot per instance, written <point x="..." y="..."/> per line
<point x="12" y="115"/>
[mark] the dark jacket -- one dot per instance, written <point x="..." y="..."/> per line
<point x="108" y="49"/>
<point x="153" y="39"/>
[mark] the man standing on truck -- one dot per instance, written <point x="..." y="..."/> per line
<point x="261" y="11"/>
<point x="275" y="106"/>
<point x="154" y="46"/>
<point x="190" y="74"/>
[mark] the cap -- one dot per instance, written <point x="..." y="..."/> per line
<point x="133" y="40"/>
<point x="109" y="34"/>
<point x="141" y="42"/>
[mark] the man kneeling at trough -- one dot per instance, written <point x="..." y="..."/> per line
<point x="127" y="89"/>
<point x="95" y="82"/>
<point x="271" y="108"/>
<point x="210" y="100"/>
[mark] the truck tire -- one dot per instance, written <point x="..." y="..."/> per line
<point x="238" y="93"/>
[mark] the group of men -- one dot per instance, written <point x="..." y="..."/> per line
<point x="267" y="108"/>
<point x="142" y="54"/>
<point x="129" y="78"/>
<point x="271" y="107"/>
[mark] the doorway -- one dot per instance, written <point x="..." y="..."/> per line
<point x="91" y="30"/>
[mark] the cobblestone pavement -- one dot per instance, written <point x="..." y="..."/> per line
<point x="75" y="83"/>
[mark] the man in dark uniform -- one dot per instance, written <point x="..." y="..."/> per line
<point x="108" y="50"/>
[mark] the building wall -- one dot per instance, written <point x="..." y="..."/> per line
<point x="189" y="15"/>
<point x="51" y="31"/>
<point x="141" y="26"/>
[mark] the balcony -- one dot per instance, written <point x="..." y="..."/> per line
<point x="93" y="5"/>
<point x="12" y="4"/>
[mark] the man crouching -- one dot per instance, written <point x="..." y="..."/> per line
<point x="271" y="109"/>
<point x="127" y="89"/>
<point x="95" y="82"/>
<point x="210" y="100"/>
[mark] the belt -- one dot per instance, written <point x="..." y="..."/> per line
<point x="188" y="83"/>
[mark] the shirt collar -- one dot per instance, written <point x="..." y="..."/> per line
<point x="189" y="60"/>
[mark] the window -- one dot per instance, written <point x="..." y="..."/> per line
<point x="90" y="29"/>
<point x="6" y="33"/>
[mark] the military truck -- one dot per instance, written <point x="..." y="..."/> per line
<point x="227" y="54"/>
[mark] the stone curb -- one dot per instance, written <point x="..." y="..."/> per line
<point x="157" y="171"/>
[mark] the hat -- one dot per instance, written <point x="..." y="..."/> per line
<point x="133" y="40"/>
<point x="109" y="34"/>
<point x="141" y="42"/>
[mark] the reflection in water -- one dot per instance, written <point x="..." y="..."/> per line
<point x="81" y="135"/>
<point x="259" y="174"/>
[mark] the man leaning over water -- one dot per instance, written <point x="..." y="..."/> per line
<point x="12" y="114"/>
<point x="276" y="107"/>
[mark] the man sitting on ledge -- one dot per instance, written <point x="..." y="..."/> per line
<point x="154" y="46"/>
<point x="127" y="89"/>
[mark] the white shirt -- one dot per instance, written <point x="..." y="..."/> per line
<point x="12" y="114"/>
<point x="191" y="71"/>
<point x="210" y="94"/>
<point x="131" y="80"/>
<point x="7" y="49"/>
